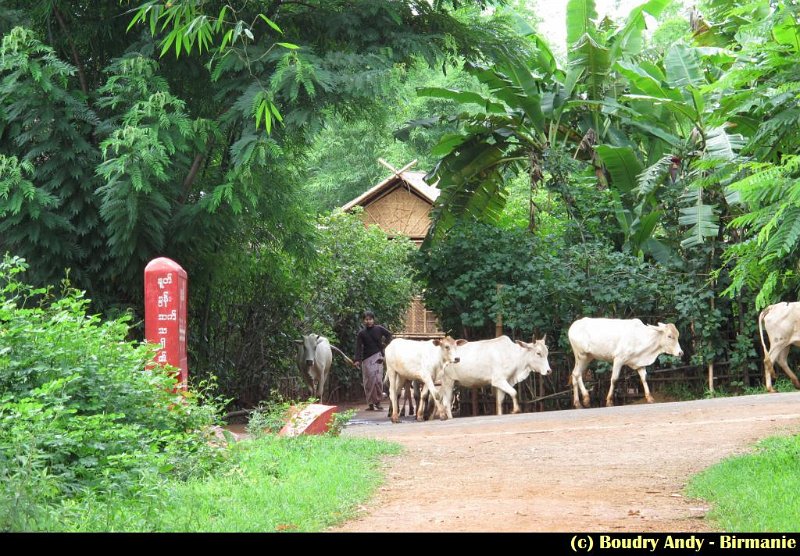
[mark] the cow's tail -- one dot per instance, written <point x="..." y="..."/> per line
<point x="768" y="367"/>
<point x="340" y="352"/>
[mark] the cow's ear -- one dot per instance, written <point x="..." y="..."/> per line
<point x="436" y="342"/>
<point x="544" y="339"/>
<point x="461" y="342"/>
<point x="320" y="339"/>
<point x="299" y="342"/>
<point x="520" y="343"/>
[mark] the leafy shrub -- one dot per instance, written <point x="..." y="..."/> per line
<point x="271" y="415"/>
<point x="340" y="421"/>
<point x="357" y="268"/>
<point x="79" y="411"/>
<point x="540" y="284"/>
<point x="260" y="302"/>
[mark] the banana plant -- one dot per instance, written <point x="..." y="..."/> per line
<point x="671" y="106"/>
<point x="532" y="105"/>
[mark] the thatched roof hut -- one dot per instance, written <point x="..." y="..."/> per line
<point x="401" y="205"/>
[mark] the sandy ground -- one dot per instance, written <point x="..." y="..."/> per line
<point x="619" y="469"/>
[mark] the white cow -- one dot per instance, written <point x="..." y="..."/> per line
<point x="314" y="358"/>
<point x="499" y="362"/>
<point x="422" y="361"/>
<point x="782" y="322"/>
<point x="623" y="342"/>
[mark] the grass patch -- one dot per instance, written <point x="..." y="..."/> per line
<point x="301" y="484"/>
<point x="780" y="384"/>
<point x="755" y="492"/>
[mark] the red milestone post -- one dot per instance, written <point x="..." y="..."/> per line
<point x="165" y="313"/>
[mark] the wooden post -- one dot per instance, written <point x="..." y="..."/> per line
<point x="746" y="368"/>
<point x="540" y="405"/>
<point x="498" y="327"/>
<point x="711" y="364"/>
<point x="395" y="171"/>
<point x="498" y="323"/>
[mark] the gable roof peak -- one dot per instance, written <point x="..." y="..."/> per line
<point x="414" y="181"/>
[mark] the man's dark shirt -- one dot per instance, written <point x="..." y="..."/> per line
<point x="368" y="341"/>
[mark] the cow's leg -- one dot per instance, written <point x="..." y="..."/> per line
<point x="401" y="404"/>
<point x="784" y="364"/>
<point x="775" y="352"/>
<point x="407" y="397"/>
<point x="499" y="396"/>
<point x="321" y="386"/>
<point x="429" y="408"/>
<point x="309" y="382"/>
<point x="393" y="378"/>
<point x="402" y="409"/>
<point x="447" y="397"/>
<point x="501" y="388"/>
<point x="617" y="367"/>
<point x="406" y="393"/>
<point x="643" y="375"/>
<point x="423" y="402"/>
<point x="581" y="364"/>
<point x="437" y="400"/>
<point x="423" y="406"/>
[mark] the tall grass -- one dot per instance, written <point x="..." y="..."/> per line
<point x="755" y="492"/>
<point x="301" y="484"/>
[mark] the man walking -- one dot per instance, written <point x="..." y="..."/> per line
<point x="370" y="342"/>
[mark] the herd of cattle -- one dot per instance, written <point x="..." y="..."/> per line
<point x="440" y="364"/>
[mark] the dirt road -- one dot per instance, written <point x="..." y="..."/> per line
<point x="603" y="469"/>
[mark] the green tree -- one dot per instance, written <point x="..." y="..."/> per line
<point x="48" y="212"/>
<point x="759" y="98"/>
<point x="357" y="268"/>
<point x="530" y="106"/>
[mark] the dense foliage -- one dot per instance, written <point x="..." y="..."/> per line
<point x="691" y="136"/>
<point x="261" y="301"/>
<point x="536" y="284"/>
<point x="541" y="285"/>
<point x="131" y="131"/>
<point x="216" y="133"/>
<point x="81" y="416"/>
<point x="358" y="269"/>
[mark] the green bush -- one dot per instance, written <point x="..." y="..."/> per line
<point x="80" y="414"/>
<point x="480" y="270"/>
<point x="271" y="415"/>
<point x="259" y="302"/>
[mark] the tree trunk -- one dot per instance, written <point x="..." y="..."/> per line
<point x="535" y="173"/>
<point x="75" y="58"/>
